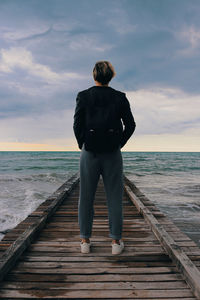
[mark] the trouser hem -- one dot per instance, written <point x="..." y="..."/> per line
<point x="85" y="236"/>
<point x="115" y="237"/>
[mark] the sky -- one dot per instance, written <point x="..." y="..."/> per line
<point x="48" y="50"/>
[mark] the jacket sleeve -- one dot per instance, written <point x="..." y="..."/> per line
<point x="128" y="121"/>
<point x="79" y="121"/>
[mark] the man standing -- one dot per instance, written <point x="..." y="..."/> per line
<point x="100" y="133"/>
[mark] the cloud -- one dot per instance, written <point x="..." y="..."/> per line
<point x="118" y="19"/>
<point x="83" y="42"/>
<point x="191" y="37"/>
<point x="25" y="82"/>
<point x="194" y="37"/>
<point x="164" y="110"/>
<point x="42" y="128"/>
<point x="18" y="57"/>
<point x="33" y="31"/>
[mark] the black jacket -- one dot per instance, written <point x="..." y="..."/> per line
<point x="102" y="107"/>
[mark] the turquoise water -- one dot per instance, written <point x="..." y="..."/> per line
<point x="170" y="179"/>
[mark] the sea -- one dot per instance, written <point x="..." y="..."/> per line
<point x="171" y="180"/>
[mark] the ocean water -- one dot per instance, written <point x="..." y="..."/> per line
<point x="170" y="179"/>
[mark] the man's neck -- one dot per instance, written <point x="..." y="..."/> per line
<point x="100" y="84"/>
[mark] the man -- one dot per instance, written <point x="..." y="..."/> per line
<point x="100" y="111"/>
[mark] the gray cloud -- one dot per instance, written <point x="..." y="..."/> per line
<point x="165" y="110"/>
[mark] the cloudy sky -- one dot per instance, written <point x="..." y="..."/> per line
<point x="48" y="49"/>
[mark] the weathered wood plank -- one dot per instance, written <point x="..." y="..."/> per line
<point x="137" y="257"/>
<point x="150" y="243"/>
<point x="23" y="268"/>
<point x="73" y="250"/>
<point x="95" y="239"/>
<point x="185" y="298"/>
<point x="117" y="294"/>
<point x="66" y="263"/>
<point x="68" y="236"/>
<point x="168" y="285"/>
<point x="130" y="242"/>
<point x="93" y="277"/>
<point x="143" y="255"/>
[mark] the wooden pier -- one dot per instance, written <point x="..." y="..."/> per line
<point x="40" y="258"/>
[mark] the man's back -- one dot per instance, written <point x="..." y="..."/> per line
<point x="101" y="111"/>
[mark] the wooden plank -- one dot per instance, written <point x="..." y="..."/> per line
<point x="93" y="277"/>
<point x="96" y="242"/>
<point x="168" y="285"/>
<point x="58" y="263"/>
<point x="139" y="257"/>
<point x="116" y="294"/>
<point x="94" y="239"/>
<point x="11" y="255"/>
<point x="183" y="263"/>
<point x="143" y="255"/>
<point x="155" y="249"/>
<point x="187" y="298"/>
<point x="23" y="268"/>
<point x="107" y="243"/>
<point x="94" y="229"/>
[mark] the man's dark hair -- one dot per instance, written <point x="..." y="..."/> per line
<point x="103" y="72"/>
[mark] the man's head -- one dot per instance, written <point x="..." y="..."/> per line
<point x="103" y="72"/>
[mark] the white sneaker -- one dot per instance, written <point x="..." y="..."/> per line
<point x="117" y="248"/>
<point x="85" y="247"/>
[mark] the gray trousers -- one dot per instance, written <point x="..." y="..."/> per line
<point x="110" y="166"/>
